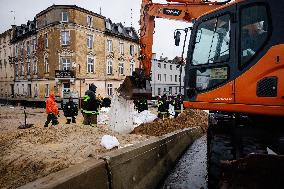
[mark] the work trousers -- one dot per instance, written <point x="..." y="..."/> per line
<point x="51" y="117"/>
<point x="90" y="119"/>
<point x="177" y="112"/>
<point x="163" y="115"/>
<point x="69" y="120"/>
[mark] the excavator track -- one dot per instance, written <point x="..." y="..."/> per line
<point x="237" y="153"/>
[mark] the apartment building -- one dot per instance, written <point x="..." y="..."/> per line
<point x="66" y="48"/>
<point x="121" y="54"/>
<point x="25" y="60"/>
<point x="6" y="66"/>
<point x="166" y="76"/>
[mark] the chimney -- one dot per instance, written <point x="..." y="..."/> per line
<point x="154" y="56"/>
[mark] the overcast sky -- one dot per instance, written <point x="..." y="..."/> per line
<point x="116" y="10"/>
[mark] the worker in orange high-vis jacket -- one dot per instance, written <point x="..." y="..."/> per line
<point x="51" y="110"/>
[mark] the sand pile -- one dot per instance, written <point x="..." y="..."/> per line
<point x="189" y="118"/>
<point x="28" y="154"/>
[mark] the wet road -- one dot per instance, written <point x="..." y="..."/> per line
<point x="191" y="170"/>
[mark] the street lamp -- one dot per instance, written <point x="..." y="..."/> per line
<point x="177" y="35"/>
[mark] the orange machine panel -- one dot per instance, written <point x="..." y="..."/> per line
<point x="241" y="95"/>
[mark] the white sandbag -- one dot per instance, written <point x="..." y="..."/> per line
<point x="171" y="110"/>
<point x="121" y="115"/>
<point x="143" y="117"/>
<point x="109" y="142"/>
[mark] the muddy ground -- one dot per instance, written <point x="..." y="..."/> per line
<point x="29" y="154"/>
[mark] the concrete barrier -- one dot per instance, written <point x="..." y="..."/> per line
<point x="87" y="175"/>
<point x="142" y="165"/>
<point x="146" y="164"/>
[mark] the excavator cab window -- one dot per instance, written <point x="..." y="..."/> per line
<point x="254" y="31"/>
<point x="212" y="45"/>
<point x="212" y="41"/>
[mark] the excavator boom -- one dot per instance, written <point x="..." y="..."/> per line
<point x="138" y="85"/>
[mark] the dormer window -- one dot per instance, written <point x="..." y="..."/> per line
<point x="64" y="16"/>
<point x="131" y="33"/>
<point x="119" y="29"/>
<point x="108" y="25"/>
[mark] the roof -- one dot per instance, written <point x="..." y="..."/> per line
<point x="69" y="7"/>
<point x="5" y="33"/>
<point x="119" y="30"/>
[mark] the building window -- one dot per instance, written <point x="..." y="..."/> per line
<point x="132" y="50"/>
<point x="28" y="48"/>
<point x="159" y="77"/>
<point x="175" y="78"/>
<point x="109" y="89"/>
<point x="132" y="67"/>
<point x="35" y="91"/>
<point x="46" y="40"/>
<point x="66" y="63"/>
<point x="90" y="41"/>
<point x="46" y="93"/>
<point x="109" y="45"/>
<point x="165" y="77"/>
<point x="22" y="69"/>
<point x="171" y="77"/>
<point x="34" y="44"/>
<point x="23" y="87"/>
<point x="109" y="67"/>
<point x="171" y="67"/>
<point x="90" y="65"/>
<point x="121" y="68"/>
<point x="64" y="16"/>
<point x="108" y="25"/>
<point x="16" y="50"/>
<point x="22" y="50"/>
<point x="121" y="48"/>
<point x="165" y="66"/>
<point x="16" y="69"/>
<point x="46" y="66"/>
<point x="34" y="67"/>
<point x="29" y="68"/>
<point x="171" y="90"/>
<point x="65" y="38"/>
<point x="159" y="65"/>
<point x="159" y="91"/>
<point x="89" y="21"/>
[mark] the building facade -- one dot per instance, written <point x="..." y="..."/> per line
<point x="166" y="78"/>
<point x="6" y="66"/>
<point x="121" y="54"/>
<point x="66" y="48"/>
<point x="24" y="60"/>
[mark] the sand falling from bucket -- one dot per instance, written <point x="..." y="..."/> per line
<point x="121" y="115"/>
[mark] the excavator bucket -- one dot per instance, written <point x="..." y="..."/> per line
<point x="135" y="87"/>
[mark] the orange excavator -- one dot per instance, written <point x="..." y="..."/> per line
<point x="235" y="69"/>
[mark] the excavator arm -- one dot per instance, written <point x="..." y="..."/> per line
<point x="138" y="85"/>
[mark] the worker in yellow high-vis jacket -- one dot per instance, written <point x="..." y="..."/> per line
<point x="90" y="106"/>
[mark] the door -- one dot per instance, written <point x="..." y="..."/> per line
<point x="211" y="58"/>
<point x="12" y="90"/>
<point x="29" y="90"/>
